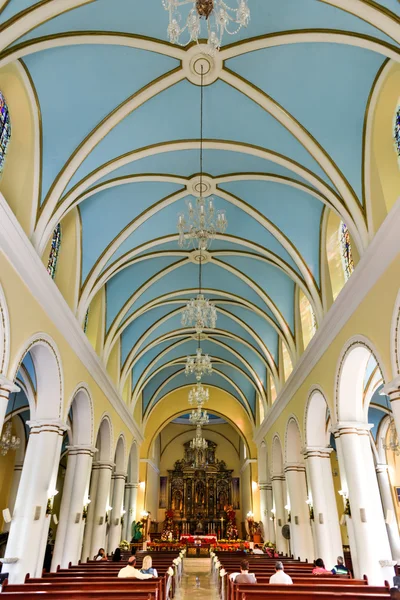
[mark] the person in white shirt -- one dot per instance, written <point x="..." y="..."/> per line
<point x="131" y="571"/>
<point x="280" y="577"/>
<point x="257" y="550"/>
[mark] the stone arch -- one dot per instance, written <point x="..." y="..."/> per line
<point x="81" y="406"/>
<point x="316" y="420"/>
<point x="133" y="463"/>
<point x="4" y="334"/>
<point x="350" y="374"/>
<point x="104" y="440"/>
<point x="120" y="454"/>
<point x="277" y="456"/>
<point x="49" y="385"/>
<point x="395" y="338"/>
<point x="293" y="442"/>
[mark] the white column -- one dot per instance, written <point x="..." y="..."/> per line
<point x="75" y="493"/>
<point x="326" y="528"/>
<point x="301" y="539"/>
<point x="100" y="506"/>
<point x="6" y="388"/>
<point x="388" y="507"/>
<point x="271" y="516"/>
<point x="14" y="490"/>
<point x="265" y="515"/>
<point x="277" y="489"/>
<point x="114" y="536"/>
<point x="370" y="535"/>
<point x="30" y="524"/>
<point x="131" y="509"/>
<point x="88" y="531"/>
<point x="126" y="524"/>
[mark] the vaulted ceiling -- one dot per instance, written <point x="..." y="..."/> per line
<point x="285" y="108"/>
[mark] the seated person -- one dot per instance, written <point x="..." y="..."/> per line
<point x="319" y="568"/>
<point x="340" y="568"/>
<point x="131" y="571"/>
<point x="280" y="577"/>
<point x="394" y="593"/>
<point x="257" y="550"/>
<point x="244" y="576"/>
<point x="147" y="567"/>
<point x="117" y="555"/>
<point x="101" y="555"/>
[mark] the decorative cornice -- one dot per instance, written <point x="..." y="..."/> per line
<point x="151" y="464"/>
<point x="23" y="257"/>
<point x="8" y="385"/>
<point x="247" y="463"/>
<point x="383" y="249"/>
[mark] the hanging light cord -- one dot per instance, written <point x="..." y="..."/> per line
<point x="201" y="164"/>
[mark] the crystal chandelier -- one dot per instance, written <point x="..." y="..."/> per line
<point x="8" y="440"/>
<point x="199" y="395"/>
<point x="199" y="417"/>
<point x="199" y="313"/>
<point x="198" y="442"/>
<point x="217" y="13"/>
<point x="199" y="365"/>
<point x="202" y="224"/>
<point x="393" y="443"/>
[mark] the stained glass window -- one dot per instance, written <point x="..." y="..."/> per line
<point x="5" y="130"/>
<point x="347" y="254"/>
<point x="396" y="133"/>
<point x="54" y="251"/>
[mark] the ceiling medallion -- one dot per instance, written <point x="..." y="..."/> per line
<point x="217" y="14"/>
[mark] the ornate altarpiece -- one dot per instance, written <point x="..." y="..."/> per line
<point x="199" y="486"/>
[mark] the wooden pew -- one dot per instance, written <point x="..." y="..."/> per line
<point x="295" y="595"/>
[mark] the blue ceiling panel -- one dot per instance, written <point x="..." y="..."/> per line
<point x="375" y="417"/>
<point x="267" y="333"/>
<point x="321" y="74"/>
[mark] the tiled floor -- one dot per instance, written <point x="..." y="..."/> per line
<point x="197" y="582"/>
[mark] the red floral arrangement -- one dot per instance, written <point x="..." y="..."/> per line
<point x="169" y="514"/>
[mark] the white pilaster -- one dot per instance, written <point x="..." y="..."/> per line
<point x="125" y="526"/>
<point x="277" y="481"/>
<point x="265" y="510"/>
<point x="88" y="530"/>
<point x="370" y="536"/>
<point x="114" y="536"/>
<point x="132" y="508"/>
<point x="300" y="528"/>
<point x="388" y="508"/>
<point x="14" y="490"/>
<point x="71" y="524"/>
<point x="270" y="506"/>
<point x="100" y="506"/>
<point x="325" y="526"/>
<point x="30" y="524"/>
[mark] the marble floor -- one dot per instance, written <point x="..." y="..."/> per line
<point x="197" y="582"/>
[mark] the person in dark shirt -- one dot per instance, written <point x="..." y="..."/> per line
<point x="117" y="555"/>
<point x="340" y="568"/>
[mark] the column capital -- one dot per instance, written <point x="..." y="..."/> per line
<point x="316" y="452"/>
<point x="47" y="425"/>
<point x="119" y="475"/>
<point x="298" y="467"/>
<point x="263" y="485"/>
<point x="277" y="477"/>
<point x="381" y="468"/>
<point x="351" y="427"/>
<point x="81" y="449"/>
<point x="8" y="385"/>
<point x="132" y="486"/>
<point x="392" y="389"/>
<point x="103" y="464"/>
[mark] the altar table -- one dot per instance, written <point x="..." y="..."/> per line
<point x="204" y="539"/>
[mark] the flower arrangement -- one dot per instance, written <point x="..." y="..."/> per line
<point x="124" y="545"/>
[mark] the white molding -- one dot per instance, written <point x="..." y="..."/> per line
<point x="382" y="250"/>
<point x="24" y="259"/>
<point x="151" y="464"/>
<point x="247" y="463"/>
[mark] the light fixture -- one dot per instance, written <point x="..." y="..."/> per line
<point x="199" y="313"/>
<point x="9" y="441"/>
<point x="287" y="507"/>
<point x="310" y="508"/>
<point x="345" y="496"/>
<point x="219" y="16"/>
<point x="144" y="514"/>
<point x="199" y="365"/>
<point x="198" y="395"/>
<point x="273" y="512"/>
<point x="199" y="417"/>
<point x="250" y="515"/>
<point x="50" y="502"/>
<point x="198" y="442"/>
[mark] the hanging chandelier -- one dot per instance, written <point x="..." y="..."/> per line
<point x="199" y="313"/>
<point x="198" y="442"/>
<point x="200" y="227"/>
<point x="9" y="441"/>
<point x="199" y="365"/>
<point x="219" y="16"/>
<point x="393" y="442"/>
<point x="199" y="417"/>
<point x="199" y="395"/>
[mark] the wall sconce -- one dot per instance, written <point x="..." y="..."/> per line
<point x="254" y="486"/>
<point x="122" y="516"/>
<point x="345" y="495"/>
<point x="108" y="510"/>
<point x="273" y="512"/>
<point x="310" y="509"/>
<point x="50" y="502"/>
<point x="289" y="516"/>
<point x="85" y="509"/>
<point x="144" y="514"/>
<point x="142" y="485"/>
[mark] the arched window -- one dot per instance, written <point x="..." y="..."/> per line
<point x="5" y="130"/>
<point x="396" y="133"/>
<point x="54" y="251"/>
<point x="347" y="254"/>
<point x="307" y="319"/>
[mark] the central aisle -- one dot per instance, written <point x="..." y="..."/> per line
<point x="201" y="568"/>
